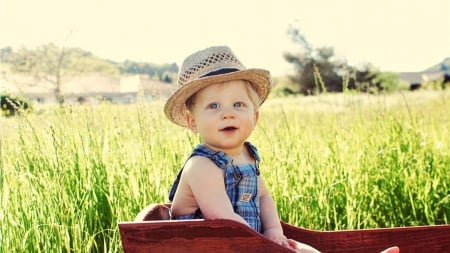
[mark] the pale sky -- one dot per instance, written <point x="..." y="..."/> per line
<point x="393" y="35"/>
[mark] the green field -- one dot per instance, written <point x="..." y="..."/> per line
<point x="346" y="161"/>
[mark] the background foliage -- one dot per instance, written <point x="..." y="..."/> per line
<point x="317" y="71"/>
<point x="51" y="63"/>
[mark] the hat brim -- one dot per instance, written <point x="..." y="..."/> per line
<point x="175" y="108"/>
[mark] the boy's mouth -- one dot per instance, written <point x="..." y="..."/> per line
<point x="227" y="129"/>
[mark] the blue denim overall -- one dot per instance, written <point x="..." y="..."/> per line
<point x="240" y="181"/>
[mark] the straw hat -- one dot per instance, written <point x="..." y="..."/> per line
<point x="209" y="66"/>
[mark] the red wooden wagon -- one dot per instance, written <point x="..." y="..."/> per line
<point x="152" y="231"/>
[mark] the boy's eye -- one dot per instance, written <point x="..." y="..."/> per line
<point x="238" y="104"/>
<point x="213" y="106"/>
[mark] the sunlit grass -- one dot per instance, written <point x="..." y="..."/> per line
<point x="332" y="162"/>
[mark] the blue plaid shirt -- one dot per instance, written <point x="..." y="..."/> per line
<point x="240" y="181"/>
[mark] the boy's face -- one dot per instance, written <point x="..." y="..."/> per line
<point x="223" y="114"/>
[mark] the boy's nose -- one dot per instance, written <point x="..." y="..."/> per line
<point x="228" y="113"/>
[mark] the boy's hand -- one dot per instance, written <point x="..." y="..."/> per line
<point x="394" y="249"/>
<point x="299" y="247"/>
<point x="275" y="235"/>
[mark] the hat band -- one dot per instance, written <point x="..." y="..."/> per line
<point x="219" y="72"/>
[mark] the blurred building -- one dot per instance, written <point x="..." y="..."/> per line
<point x="88" y="88"/>
<point x="434" y="73"/>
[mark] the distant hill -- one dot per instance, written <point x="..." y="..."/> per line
<point x="50" y="59"/>
<point x="47" y="72"/>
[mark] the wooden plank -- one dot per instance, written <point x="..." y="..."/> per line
<point x="194" y="236"/>
<point x="427" y="239"/>
<point x="152" y="231"/>
<point x="230" y="236"/>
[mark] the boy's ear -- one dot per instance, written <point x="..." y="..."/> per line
<point x="191" y="122"/>
<point x="256" y="117"/>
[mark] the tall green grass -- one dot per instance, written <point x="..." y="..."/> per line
<point x="68" y="176"/>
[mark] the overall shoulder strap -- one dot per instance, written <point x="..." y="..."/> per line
<point x="254" y="151"/>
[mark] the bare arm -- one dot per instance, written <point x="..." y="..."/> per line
<point x="206" y="182"/>
<point x="269" y="214"/>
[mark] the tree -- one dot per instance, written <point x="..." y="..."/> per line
<point x="165" y="72"/>
<point x="318" y="71"/>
